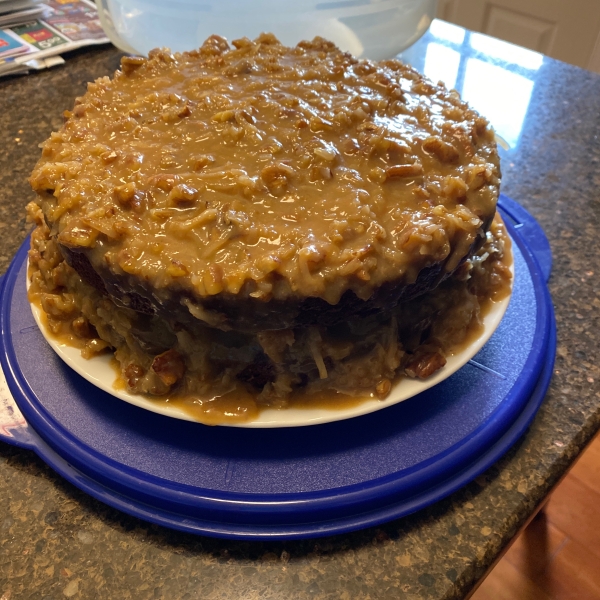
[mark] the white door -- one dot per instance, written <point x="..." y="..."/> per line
<point x="565" y="29"/>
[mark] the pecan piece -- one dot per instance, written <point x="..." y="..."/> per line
<point x="182" y="194"/>
<point x="423" y="365"/>
<point x="163" y="181"/>
<point x="169" y="366"/>
<point x="81" y="327"/>
<point x="414" y="170"/>
<point x="133" y="373"/>
<point x="383" y="388"/>
<point x="478" y="176"/>
<point x="125" y="193"/>
<point x="201" y="160"/>
<point x="129" y="64"/>
<point x="443" y="151"/>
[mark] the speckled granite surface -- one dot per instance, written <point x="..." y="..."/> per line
<point x="57" y="542"/>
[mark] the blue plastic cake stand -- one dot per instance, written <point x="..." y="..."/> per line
<point x="290" y="482"/>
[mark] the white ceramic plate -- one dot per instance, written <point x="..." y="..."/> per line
<point x="99" y="371"/>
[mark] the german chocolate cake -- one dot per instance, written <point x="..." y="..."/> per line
<point x="267" y="220"/>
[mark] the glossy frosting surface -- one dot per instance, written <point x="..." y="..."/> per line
<point x="268" y="171"/>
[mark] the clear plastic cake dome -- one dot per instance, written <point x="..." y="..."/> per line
<point x="373" y="29"/>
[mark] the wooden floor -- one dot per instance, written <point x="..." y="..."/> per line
<point x="558" y="556"/>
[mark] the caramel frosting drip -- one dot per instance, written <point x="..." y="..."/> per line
<point x="269" y="172"/>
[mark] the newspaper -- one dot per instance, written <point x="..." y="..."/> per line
<point x="63" y="25"/>
<point x="12" y="13"/>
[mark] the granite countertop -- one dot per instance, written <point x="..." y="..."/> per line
<point x="56" y="541"/>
